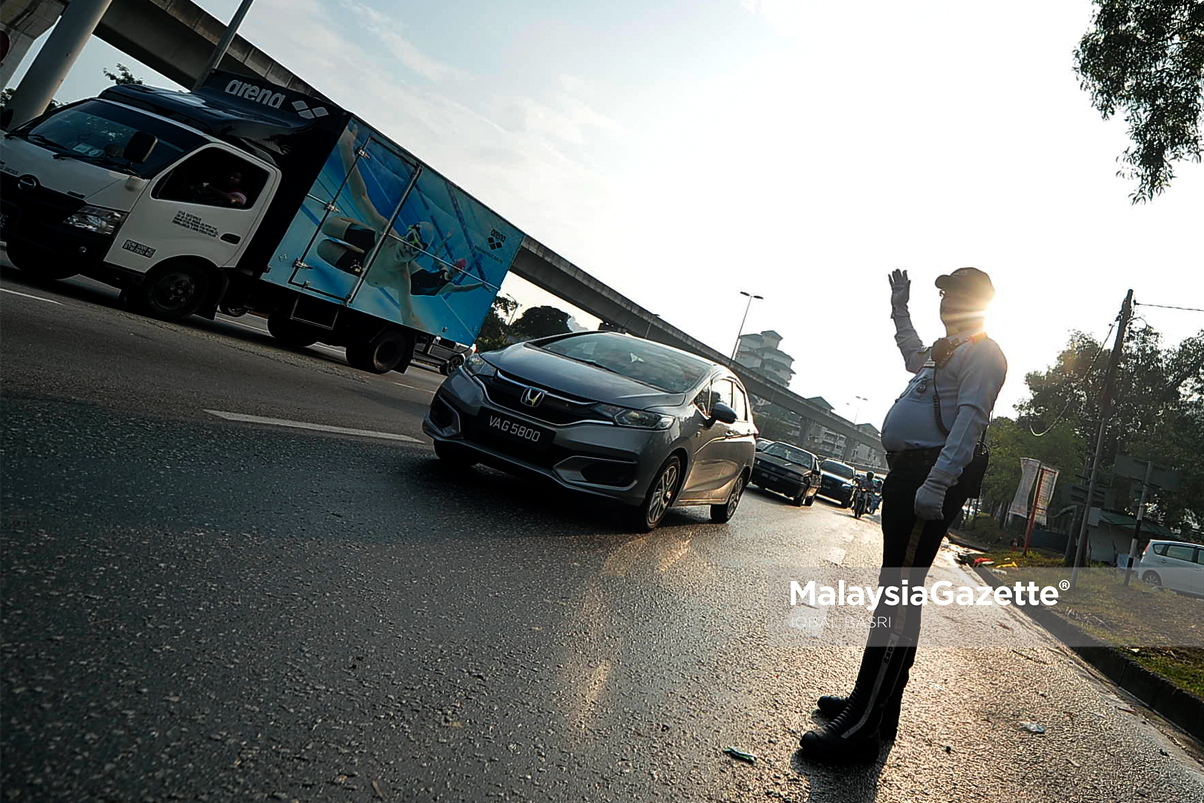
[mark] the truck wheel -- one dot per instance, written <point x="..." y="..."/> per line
<point x="388" y="351"/>
<point x="290" y="332"/>
<point x="34" y="265"/>
<point x="172" y="292"/>
<point x="232" y="312"/>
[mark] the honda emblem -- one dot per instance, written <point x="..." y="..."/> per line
<point x="533" y="396"/>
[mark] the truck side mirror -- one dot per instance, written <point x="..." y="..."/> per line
<point x="140" y="147"/>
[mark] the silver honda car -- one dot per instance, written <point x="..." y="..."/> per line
<point x="604" y="413"/>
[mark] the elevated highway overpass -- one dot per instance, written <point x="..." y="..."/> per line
<point x="177" y="37"/>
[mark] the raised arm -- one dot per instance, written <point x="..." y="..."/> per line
<point x="909" y="343"/>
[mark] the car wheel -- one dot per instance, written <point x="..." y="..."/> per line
<point x="1151" y="578"/>
<point x="809" y="501"/>
<point x="800" y="499"/>
<point x="723" y="513"/>
<point x="660" y="496"/>
<point x="454" y="456"/>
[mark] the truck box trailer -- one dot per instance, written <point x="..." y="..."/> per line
<point x="245" y="195"/>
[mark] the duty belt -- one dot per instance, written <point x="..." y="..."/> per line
<point x="913" y="459"/>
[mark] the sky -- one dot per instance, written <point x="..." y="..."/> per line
<point x="682" y="151"/>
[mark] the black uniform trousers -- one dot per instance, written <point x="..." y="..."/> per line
<point x="909" y="545"/>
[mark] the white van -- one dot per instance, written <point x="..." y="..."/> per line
<point x="1176" y="565"/>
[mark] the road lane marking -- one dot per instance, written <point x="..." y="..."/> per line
<point x="27" y="295"/>
<point x="245" y="326"/>
<point x="411" y="387"/>
<point x="836" y="555"/>
<point x="281" y="422"/>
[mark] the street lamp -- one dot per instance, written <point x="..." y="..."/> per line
<point x="648" y="331"/>
<point x="750" y="296"/>
<point x="858" y="413"/>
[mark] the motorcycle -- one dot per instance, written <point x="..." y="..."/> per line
<point x="860" y="502"/>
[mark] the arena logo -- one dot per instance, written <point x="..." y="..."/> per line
<point x="255" y="93"/>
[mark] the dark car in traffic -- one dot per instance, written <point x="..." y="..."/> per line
<point x="788" y="470"/>
<point x="837" y="481"/>
<point x="606" y="414"/>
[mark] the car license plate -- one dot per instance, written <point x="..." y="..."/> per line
<point x="515" y="431"/>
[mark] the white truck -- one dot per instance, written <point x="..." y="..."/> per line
<point x="245" y="195"/>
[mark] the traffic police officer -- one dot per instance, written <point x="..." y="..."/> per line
<point x="931" y="436"/>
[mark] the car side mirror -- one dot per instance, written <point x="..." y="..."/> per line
<point x="139" y="148"/>
<point x="723" y="413"/>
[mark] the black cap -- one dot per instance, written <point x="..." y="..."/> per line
<point x="970" y="281"/>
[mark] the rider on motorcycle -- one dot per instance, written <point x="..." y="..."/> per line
<point x="865" y="487"/>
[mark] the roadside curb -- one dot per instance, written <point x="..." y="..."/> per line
<point x="1181" y="707"/>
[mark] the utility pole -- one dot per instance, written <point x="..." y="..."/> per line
<point x="1145" y="487"/>
<point x="1105" y="409"/>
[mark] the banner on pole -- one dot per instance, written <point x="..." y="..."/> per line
<point x="1049" y="477"/>
<point x="1028" y="475"/>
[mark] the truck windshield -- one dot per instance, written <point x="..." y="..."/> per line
<point x="97" y="131"/>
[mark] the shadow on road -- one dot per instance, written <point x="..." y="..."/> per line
<point x="857" y="783"/>
<point x="537" y="501"/>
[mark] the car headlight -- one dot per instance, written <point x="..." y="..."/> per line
<point x="641" y="419"/>
<point x="97" y="220"/>
<point x="476" y="365"/>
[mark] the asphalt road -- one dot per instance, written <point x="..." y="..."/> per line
<point x="200" y="608"/>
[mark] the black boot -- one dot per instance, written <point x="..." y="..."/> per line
<point x="854" y="735"/>
<point x="831" y="705"/>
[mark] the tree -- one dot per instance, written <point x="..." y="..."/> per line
<point x="541" y="322"/>
<point x="122" y="76"/>
<point x="493" y="330"/>
<point x="1147" y="57"/>
<point x="1158" y="413"/>
<point x="1010" y="440"/>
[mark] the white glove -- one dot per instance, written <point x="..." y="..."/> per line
<point x="900" y="293"/>
<point x="930" y="499"/>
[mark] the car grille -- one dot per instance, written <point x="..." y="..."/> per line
<point x="555" y="408"/>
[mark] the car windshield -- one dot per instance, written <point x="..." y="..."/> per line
<point x="789" y="453"/>
<point x="97" y="131"/>
<point x="650" y="363"/>
<point x="839" y="469"/>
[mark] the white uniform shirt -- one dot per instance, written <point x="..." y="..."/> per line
<point x="968" y="384"/>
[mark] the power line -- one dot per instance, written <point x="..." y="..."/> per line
<point x="1167" y="306"/>
<point x="1075" y="389"/>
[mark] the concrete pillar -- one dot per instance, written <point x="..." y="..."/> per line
<point x="21" y="23"/>
<point x="62" y="48"/>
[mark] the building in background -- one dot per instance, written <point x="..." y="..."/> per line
<point x="759" y="351"/>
